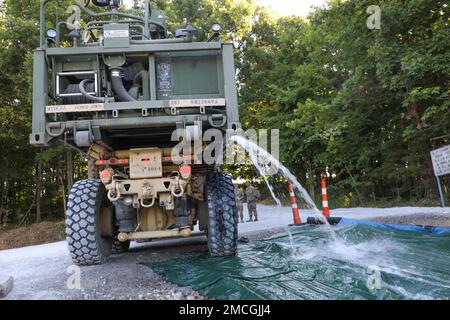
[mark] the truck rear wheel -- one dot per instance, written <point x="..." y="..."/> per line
<point x="89" y="224"/>
<point x="222" y="215"/>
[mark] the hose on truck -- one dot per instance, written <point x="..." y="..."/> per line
<point x="86" y="94"/>
<point x="118" y="87"/>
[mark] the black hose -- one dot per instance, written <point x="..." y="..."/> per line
<point x="86" y="94"/>
<point x="119" y="89"/>
<point x="101" y="3"/>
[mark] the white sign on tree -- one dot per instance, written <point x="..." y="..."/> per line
<point x="441" y="161"/>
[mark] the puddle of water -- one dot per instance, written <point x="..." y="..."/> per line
<point x="305" y="263"/>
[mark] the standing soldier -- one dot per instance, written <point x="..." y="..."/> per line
<point x="253" y="197"/>
<point x="240" y="199"/>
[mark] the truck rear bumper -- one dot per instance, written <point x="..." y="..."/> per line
<point x="100" y="127"/>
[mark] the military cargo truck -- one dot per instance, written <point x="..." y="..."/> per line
<point x="116" y="86"/>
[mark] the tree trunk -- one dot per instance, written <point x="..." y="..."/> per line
<point x="91" y="168"/>
<point x="4" y="199"/>
<point x="1" y="202"/>
<point x="63" y="189"/>
<point x="69" y="157"/>
<point x="38" y="190"/>
<point x="311" y="183"/>
<point x="374" y="197"/>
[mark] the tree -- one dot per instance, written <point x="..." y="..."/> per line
<point x="368" y="105"/>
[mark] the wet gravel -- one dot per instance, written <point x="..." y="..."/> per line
<point x="125" y="277"/>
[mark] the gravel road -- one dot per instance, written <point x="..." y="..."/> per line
<point x="418" y="219"/>
<point x="42" y="272"/>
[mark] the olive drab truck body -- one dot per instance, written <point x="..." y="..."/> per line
<point x="116" y="87"/>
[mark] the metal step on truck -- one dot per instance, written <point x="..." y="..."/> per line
<point x="116" y="86"/>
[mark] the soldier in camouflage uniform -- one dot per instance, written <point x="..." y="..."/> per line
<point x="253" y="197"/>
<point x="240" y="199"/>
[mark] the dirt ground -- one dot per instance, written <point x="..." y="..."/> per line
<point x="38" y="233"/>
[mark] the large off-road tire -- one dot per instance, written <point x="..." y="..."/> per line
<point x="86" y="222"/>
<point x="222" y="215"/>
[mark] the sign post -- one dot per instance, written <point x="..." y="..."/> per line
<point x="441" y="194"/>
<point x="441" y="165"/>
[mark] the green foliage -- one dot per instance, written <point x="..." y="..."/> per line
<point x="366" y="104"/>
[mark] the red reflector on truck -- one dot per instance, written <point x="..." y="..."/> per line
<point x="112" y="162"/>
<point x="185" y="170"/>
<point x="105" y="174"/>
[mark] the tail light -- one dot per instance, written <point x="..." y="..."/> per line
<point x="185" y="171"/>
<point x="106" y="175"/>
<point x="113" y="162"/>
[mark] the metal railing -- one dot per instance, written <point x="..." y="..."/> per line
<point x="146" y="19"/>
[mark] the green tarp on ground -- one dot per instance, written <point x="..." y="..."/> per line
<point x="306" y="262"/>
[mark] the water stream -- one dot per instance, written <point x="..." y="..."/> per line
<point x="261" y="159"/>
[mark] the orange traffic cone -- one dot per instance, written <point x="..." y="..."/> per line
<point x="325" y="208"/>
<point x="294" y="205"/>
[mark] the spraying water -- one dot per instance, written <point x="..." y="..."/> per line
<point x="305" y="264"/>
<point x="256" y="153"/>
<point x="291" y="242"/>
